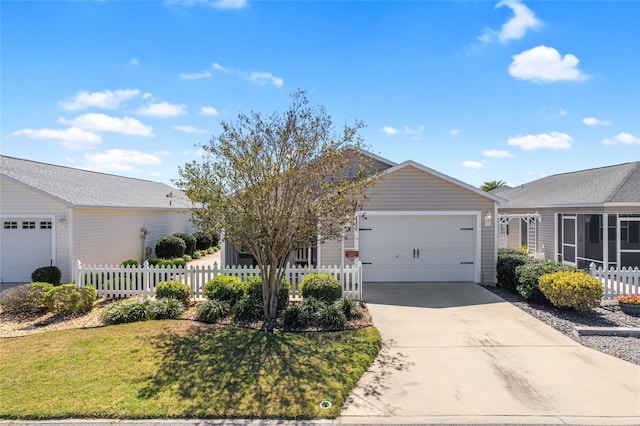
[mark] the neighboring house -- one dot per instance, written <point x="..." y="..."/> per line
<point x="418" y="225"/>
<point x="54" y="215"/>
<point x="578" y="217"/>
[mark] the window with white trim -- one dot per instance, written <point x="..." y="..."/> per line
<point x="10" y="224"/>
<point x="29" y="225"/>
<point x="45" y="224"/>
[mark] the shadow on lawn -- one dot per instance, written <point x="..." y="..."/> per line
<point x="226" y="372"/>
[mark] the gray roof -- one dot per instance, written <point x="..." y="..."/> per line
<point x="82" y="188"/>
<point x="592" y="187"/>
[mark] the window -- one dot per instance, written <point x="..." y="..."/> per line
<point x="45" y="224"/>
<point x="29" y="225"/>
<point x="10" y="225"/>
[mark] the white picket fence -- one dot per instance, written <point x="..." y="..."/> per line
<point x="617" y="281"/>
<point x="117" y="281"/>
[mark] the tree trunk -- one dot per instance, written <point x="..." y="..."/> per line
<point x="270" y="287"/>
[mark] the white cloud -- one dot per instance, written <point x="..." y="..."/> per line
<point x="553" y="140"/>
<point x="195" y="75"/>
<point x="215" y="4"/>
<point x="497" y="153"/>
<point x="106" y="99"/>
<point x="162" y="109"/>
<point x="455" y="132"/>
<point x="106" y="123"/>
<point x="72" y="137"/>
<point x="189" y="129"/>
<point x="623" y="138"/>
<point x="389" y="130"/>
<point x="134" y="62"/>
<point x="592" y="121"/>
<point x="147" y="96"/>
<point x="472" y="164"/>
<point x="563" y="113"/>
<point x="544" y="63"/>
<point x="208" y="110"/>
<point x="120" y="160"/>
<point x="263" y="78"/>
<point x="515" y="28"/>
<point x="217" y="66"/>
<point x="408" y="130"/>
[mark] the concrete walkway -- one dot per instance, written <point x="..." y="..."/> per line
<point x="457" y="353"/>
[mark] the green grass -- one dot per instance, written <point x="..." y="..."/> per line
<point x="180" y="369"/>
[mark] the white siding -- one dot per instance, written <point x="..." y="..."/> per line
<point x="17" y="199"/>
<point x="113" y="236"/>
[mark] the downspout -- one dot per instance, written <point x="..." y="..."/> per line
<point x="71" y="243"/>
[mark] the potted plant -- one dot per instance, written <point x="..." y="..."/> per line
<point x="629" y="303"/>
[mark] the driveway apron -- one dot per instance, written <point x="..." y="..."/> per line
<point x="457" y="353"/>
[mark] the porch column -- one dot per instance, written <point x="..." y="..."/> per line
<point x="605" y="241"/>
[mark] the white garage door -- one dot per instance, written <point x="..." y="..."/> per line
<point x="25" y="245"/>
<point x="417" y="248"/>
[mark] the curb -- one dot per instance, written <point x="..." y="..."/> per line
<point x="608" y="331"/>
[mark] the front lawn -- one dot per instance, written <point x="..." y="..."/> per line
<point x="181" y="369"/>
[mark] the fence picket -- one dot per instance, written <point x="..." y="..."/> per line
<point x="140" y="280"/>
<point x="617" y="281"/>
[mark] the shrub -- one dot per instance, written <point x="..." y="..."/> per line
<point x="189" y="242"/>
<point x="170" y="247"/>
<point x="122" y="312"/>
<point x="197" y="254"/>
<point x="26" y="299"/>
<point x="351" y="308"/>
<point x="204" y="240"/>
<point x="248" y="309"/>
<point x="155" y="261"/>
<point x="508" y="260"/>
<point x="175" y="290"/>
<point x="165" y="308"/>
<point x="295" y="317"/>
<point x="312" y="306"/>
<point x="47" y="274"/>
<point x="577" y="290"/>
<point x="131" y="262"/>
<point x="68" y="299"/>
<point x="187" y="258"/>
<point x="323" y="287"/>
<point x="179" y="262"/>
<point x="211" y="310"/>
<point x="332" y="317"/>
<point x="529" y="273"/>
<point x="224" y="288"/>
<point x="253" y="289"/>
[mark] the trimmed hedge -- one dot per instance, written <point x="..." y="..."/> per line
<point x="68" y="299"/>
<point x="224" y="288"/>
<point x="26" y="299"/>
<point x="508" y="260"/>
<point x="323" y="287"/>
<point x="577" y="290"/>
<point x="204" y="240"/>
<point x="174" y="290"/>
<point x="253" y="289"/>
<point x="170" y="247"/>
<point x="529" y="273"/>
<point x="189" y="242"/>
<point x="47" y="274"/>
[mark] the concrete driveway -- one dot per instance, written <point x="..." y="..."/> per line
<point x="457" y="353"/>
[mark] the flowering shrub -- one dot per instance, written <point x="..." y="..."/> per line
<point x="577" y="290"/>
<point x="629" y="298"/>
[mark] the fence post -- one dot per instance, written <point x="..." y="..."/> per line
<point x="592" y="267"/>
<point x="79" y="276"/>
<point x="145" y="278"/>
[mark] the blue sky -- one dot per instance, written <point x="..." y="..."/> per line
<point x="478" y="90"/>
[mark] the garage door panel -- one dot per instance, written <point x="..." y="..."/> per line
<point x="23" y="249"/>
<point x="418" y="248"/>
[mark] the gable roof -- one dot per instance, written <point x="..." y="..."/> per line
<point x="411" y="163"/>
<point x="82" y="188"/>
<point x="617" y="184"/>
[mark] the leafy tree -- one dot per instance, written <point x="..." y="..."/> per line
<point x="273" y="184"/>
<point x="492" y="184"/>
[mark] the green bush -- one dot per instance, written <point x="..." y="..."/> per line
<point x="211" y="310"/>
<point x="323" y="287"/>
<point x="253" y="289"/>
<point x="166" y="308"/>
<point x="122" y="312"/>
<point x="68" y="299"/>
<point x="224" y="288"/>
<point x="312" y="306"/>
<point x="204" y="240"/>
<point x="131" y="262"/>
<point x="351" y="308"/>
<point x="189" y="242"/>
<point x="577" y="290"/>
<point x="179" y="262"/>
<point x="295" y="317"/>
<point x="175" y="290"/>
<point x="529" y="273"/>
<point x="187" y="258"/>
<point x="26" y="299"/>
<point x="331" y="316"/>
<point x="47" y="274"/>
<point x="170" y="247"/>
<point x="508" y="260"/>
<point x="248" y="309"/>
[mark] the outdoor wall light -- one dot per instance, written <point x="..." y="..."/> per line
<point x="487" y="218"/>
